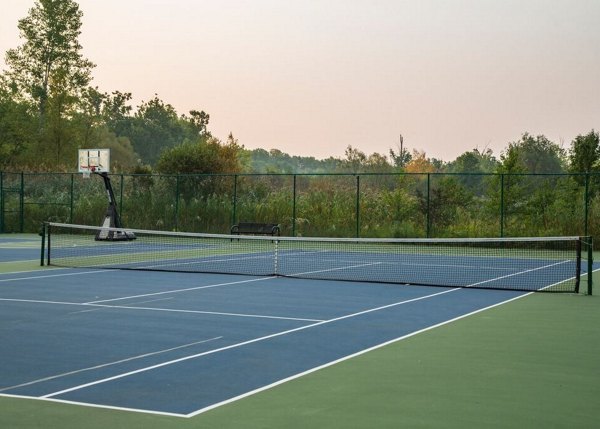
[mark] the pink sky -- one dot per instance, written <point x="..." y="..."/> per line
<point x="312" y="77"/>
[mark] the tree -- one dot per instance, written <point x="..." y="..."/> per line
<point x="472" y="166"/>
<point x="474" y="161"/>
<point x="447" y="201"/>
<point x="17" y="127"/>
<point x="584" y="156"/>
<point x="198" y="122"/>
<point x="401" y="158"/>
<point x="419" y="163"/>
<point x="49" y="63"/>
<point x="354" y="161"/>
<point x="49" y="74"/>
<point x="211" y="156"/>
<point x="116" y="112"/>
<point x="377" y="163"/>
<point x="536" y="154"/>
<point x="155" y="127"/>
<point x="88" y="119"/>
<point x="204" y="157"/>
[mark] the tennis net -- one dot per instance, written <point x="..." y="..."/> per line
<point x="528" y="264"/>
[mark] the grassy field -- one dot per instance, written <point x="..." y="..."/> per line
<point x="530" y="363"/>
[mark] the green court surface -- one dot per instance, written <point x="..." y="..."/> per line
<point x="533" y="362"/>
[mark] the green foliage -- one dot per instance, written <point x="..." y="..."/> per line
<point x="357" y="161"/>
<point x="448" y="200"/>
<point x="584" y="156"/>
<point x="47" y="75"/>
<point x="533" y="155"/>
<point x="203" y="156"/>
<point x="207" y="155"/>
<point x="17" y="128"/>
<point x="401" y="158"/>
<point x="473" y="167"/>
<point x="276" y="161"/>
<point x="325" y="205"/>
<point x="49" y="63"/>
<point x="154" y="128"/>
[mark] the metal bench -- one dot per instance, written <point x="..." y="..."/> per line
<point x="255" y="228"/>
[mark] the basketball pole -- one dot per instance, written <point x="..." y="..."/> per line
<point x="111" y="218"/>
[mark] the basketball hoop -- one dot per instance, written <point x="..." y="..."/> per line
<point x="93" y="161"/>
<point x="87" y="171"/>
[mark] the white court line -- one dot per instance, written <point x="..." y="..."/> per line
<point x="243" y="343"/>
<point x="19" y="246"/>
<point x="90" y="405"/>
<point x="333" y="269"/>
<point x="521" y="272"/>
<point x="166" y="292"/>
<point x="131" y="303"/>
<point x="166" y="310"/>
<point x="104" y="365"/>
<point x="47" y="276"/>
<point x="37" y="270"/>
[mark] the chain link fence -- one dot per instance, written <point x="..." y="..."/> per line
<point x="336" y="205"/>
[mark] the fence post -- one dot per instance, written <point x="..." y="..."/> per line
<point x="502" y="205"/>
<point x="587" y="203"/>
<point x="234" y="213"/>
<point x="22" y="204"/>
<point x="121" y="197"/>
<point x="71" y="199"/>
<point x="428" y="226"/>
<point x="177" y="202"/>
<point x="357" y="206"/>
<point x="294" y="208"/>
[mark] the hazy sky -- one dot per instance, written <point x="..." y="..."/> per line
<point x="312" y="77"/>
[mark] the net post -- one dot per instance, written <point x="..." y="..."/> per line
<point x="276" y="261"/>
<point x="48" y="243"/>
<point x="1" y="202"/>
<point x="590" y="267"/>
<point x="43" y="234"/>
<point x="578" y="264"/>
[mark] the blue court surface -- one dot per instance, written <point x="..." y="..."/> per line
<point x="19" y="248"/>
<point x="180" y="343"/>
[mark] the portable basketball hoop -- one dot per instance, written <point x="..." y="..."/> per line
<point x="97" y="161"/>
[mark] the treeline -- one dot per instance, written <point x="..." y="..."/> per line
<point x="49" y="109"/>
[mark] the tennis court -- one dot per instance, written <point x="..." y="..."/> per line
<point x="180" y="344"/>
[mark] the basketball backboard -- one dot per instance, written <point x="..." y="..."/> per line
<point x="94" y="161"/>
